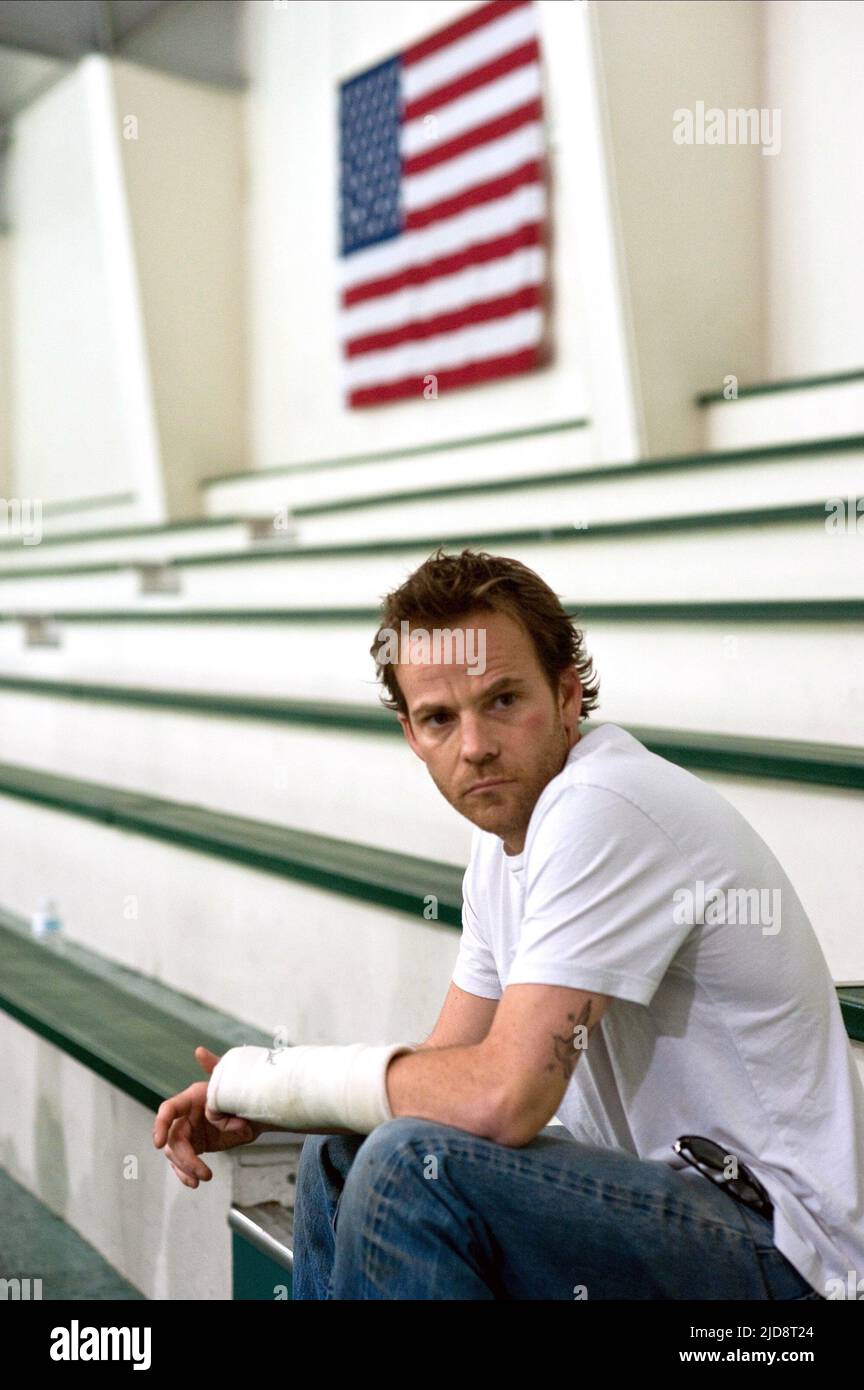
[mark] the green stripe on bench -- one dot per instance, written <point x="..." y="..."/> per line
<point x="386" y="879"/>
<point x="787" y="514"/>
<point x="803" y="610"/>
<point x="792" y="383"/>
<point x="136" y="1033"/>
<point x="662" y="525"/>
<point x="823" y="764"/>
<point x="131" y="532"/>
<point x="722" y="458"/>
<point x="756" y="453"/>
<point x="88" y="504"/>
<point x="397" y="455"/>
<point x="378" y="876"/>
<point x="806" y="610"/>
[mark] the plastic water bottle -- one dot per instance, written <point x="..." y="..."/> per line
<point x="45" y="922"/>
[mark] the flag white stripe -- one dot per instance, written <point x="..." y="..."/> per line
<point x="487" y="161"/>
<point x="472" y="344"/>
<point x="524" y="205"/>
<point x="475" y="284"/>
<point x="494" y="99"/>
<point x="464" y="55"/>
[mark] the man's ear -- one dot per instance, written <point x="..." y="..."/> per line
<point x="570" y="697"/>
<point x="409" y="734"/>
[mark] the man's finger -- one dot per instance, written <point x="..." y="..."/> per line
<point x="187" y="1161"/>
<point x="224" y="1120"/>
<point x="205" y="1058"/>
<point x="168" y="1112"/>
<point x="184" y="1177"/>
<point x="181" y="1151"/>
<point x="196" y="1171"/>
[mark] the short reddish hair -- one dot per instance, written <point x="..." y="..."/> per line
<point x="446" y="587"/>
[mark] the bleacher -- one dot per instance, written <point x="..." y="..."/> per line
<point x="239" y="838"/>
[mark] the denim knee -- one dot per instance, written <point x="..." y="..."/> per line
<point x="388" y="1141"/>
<point x="394" y="1134"/>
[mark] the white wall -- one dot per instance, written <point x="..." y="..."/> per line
<point x="690" y="215"/>
<point x="296" y="56"/>
<point x="737" y="262"/>
<point x="183" y="180"/>
<point x="73" y="430"/>
<point x="125" y="314"/>
<point x="814" y="227"/>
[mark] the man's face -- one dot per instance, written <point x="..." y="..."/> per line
<point x="504" y="727"/>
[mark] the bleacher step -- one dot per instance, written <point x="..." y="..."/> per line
<point x="746" y="415"/>
<point x="781" y="552"/>
<point x="324" y="656"/>
<point x="145" y="544"/>
<point x="597" y="497"/>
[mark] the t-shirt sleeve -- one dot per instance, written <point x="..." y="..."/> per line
<point x="600" y="879"/>
<point x="475" y="969"/>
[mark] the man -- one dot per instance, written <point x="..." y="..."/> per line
<point x="633" y="960"/>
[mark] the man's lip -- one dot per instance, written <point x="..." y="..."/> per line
<point x="493" y="782"/>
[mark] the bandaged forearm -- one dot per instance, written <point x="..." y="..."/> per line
<point x="306" y="1087"/>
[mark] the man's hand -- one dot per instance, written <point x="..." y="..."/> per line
<point x="187" y="1127"/>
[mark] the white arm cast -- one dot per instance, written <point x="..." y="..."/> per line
<point x="307" y="1086"/>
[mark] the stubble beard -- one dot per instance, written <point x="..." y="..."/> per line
<point x="553" y="759"/>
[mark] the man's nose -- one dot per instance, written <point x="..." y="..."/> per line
<point x="478" y="739"/>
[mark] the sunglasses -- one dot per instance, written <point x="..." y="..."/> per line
<point x="712" y="1161"/>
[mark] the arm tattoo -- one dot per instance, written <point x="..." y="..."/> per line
<point x="565" y="1054"/>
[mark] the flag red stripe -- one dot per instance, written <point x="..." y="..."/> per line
<point x="469" y="81"/>
<point x="530" y="172"/>
<point x="470" y="139"/>
<point x="491" y="368"/>
<point x="529" y="235"/>
<point x="468" y="24"/>
<point x="529" y="297"/>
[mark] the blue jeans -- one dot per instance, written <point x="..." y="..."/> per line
<point x="421" y="1210"/>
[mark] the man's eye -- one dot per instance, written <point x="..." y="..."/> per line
<point x="439" y="714"/>
<point x="507" y="695"/>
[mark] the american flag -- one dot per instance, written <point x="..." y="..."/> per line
<point x="443" y="211"/>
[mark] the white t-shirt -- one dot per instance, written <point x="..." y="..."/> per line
<point x="724" y="1020"/>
